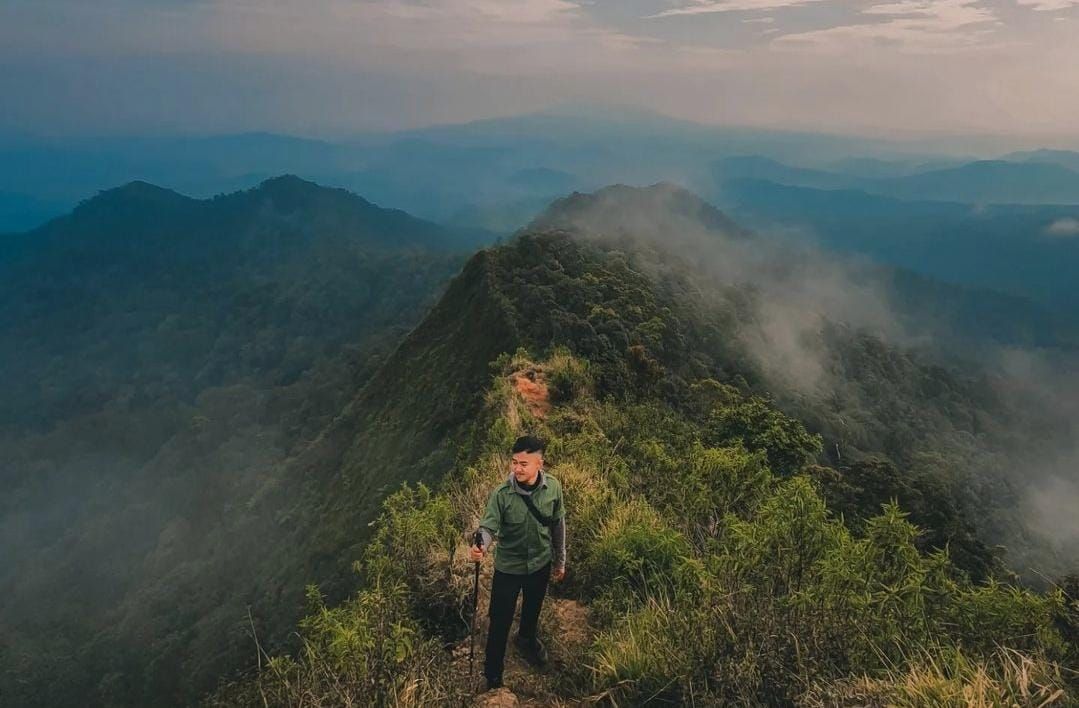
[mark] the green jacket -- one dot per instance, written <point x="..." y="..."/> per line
<point x="524" y="544"/>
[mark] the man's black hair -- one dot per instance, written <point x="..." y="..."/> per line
<point x="529" y="443"/>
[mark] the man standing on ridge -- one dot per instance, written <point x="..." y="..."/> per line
<point x="528" y="518"/>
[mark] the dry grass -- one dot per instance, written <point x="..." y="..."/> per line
<point x="1008" y="679"/>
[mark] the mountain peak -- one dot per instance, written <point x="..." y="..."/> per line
<point x="139" y="190"/>
<point x="620" y="209"/>
<point x="288" y="181"/>
<point x="136" y="195"/>
<point x="289" y="190"/>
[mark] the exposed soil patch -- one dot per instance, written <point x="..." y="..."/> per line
<point x="532" y="387"/>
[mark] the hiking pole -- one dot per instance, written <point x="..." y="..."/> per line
<point x="477" y="541"/>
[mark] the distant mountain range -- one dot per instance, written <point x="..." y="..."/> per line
<point x="979" y="182"/>
<point x="1020" y="249"/>
<point x="491" y="172"/>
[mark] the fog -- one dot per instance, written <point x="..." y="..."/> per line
<point x="798" y="288"/>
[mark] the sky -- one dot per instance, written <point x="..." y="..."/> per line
<point x="331" y="68"/>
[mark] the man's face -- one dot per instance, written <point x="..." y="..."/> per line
<point x="526" y="466"/>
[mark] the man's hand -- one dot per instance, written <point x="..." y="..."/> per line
<point x="476" y="553"/>
<point x="557" y="574"/>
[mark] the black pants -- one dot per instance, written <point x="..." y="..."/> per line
<point x="504" y="589"/>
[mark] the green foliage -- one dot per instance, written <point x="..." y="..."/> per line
<point x="413" y="523"/>
<point x="712" y="581"/>
<point x="723" y="566"/>
<point x="635" y="554"/>
<point x="175" y="369"/>
<point x="642" y="660"/>
<point x="368" y="651"/>
<point x="759" y="426"/>
<point x="568" y="377"/>
<point x="859" y="488"/>
<point x="951" y="679"/>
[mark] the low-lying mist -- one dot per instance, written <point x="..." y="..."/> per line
<point x="1024" y="457"/>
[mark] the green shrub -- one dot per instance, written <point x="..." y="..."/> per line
<point x="568" y="377"/>
<point x="366" y="652"/>
<point x="635" y="554"/>
<point x="415" y="539"/>
<point x="643" y="660"/>
<point x="760" y="426"/>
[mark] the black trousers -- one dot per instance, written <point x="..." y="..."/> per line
<point x="504" y="590"/>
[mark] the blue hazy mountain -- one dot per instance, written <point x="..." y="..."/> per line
<point x="1064" y="158"/>
<point x="976" y="182"/>
<point x="757" y="167"/>
<point x="988" y="182"/>
<point x="1028" y="250"/>
<point x="59" y="173"/>
<point x="877" y="168"/>
<point x="437" y="172"/>
<point x="494" y="170"/>
<point x="20" y="212"/>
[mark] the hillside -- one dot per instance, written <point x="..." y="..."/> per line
<point x="871" y="359"/>
<point x="716" y="504"/>
<point x="690" y="365"/>
<point x="165" y="358"/>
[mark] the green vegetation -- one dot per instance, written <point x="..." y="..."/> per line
<point x="166" y="362"/>
<point x="728" y="583"/>
<point x="734" y="539"/>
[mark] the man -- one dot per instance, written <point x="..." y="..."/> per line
<point x="527" y="516"/>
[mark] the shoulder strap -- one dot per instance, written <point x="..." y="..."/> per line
<point x="540" y="517"/>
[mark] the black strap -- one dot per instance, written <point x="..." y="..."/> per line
<point x="540" y="517"/>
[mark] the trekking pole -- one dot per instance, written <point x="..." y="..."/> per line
<point x="477" y="541"/>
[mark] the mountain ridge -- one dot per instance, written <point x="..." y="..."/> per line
<point x="651" y="325"/>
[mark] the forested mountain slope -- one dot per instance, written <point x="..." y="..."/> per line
<point x="717" y="397"/>
<point x="163" y="359"/>
<point x="753" y="520"/>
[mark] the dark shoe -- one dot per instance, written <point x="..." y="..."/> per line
<point x="532" y="650"/>
<point x="492" y="684"/>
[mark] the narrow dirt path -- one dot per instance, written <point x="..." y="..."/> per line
<point x="564" y="623"/>
<point x="566" y="631"/>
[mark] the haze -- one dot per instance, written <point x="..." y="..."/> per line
<point x="1007" y="69"/>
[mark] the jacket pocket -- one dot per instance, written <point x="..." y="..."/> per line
<point x="515" y="514"/>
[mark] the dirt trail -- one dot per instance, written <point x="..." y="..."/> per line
<point x="566" y="631"/>
<point x="564" y="625"/>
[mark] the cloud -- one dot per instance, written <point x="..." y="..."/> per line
<point x="506" y="11"/>
<point x="323" y="67"/>
<point x="1048" y="5"/>
<point x="1050" y="508"/>
<point x="918" y="25"/>
<point x="1067" y="227"/>
<point x="703" y="7"/>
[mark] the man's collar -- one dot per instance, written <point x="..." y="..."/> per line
<point x="542" y="479"/>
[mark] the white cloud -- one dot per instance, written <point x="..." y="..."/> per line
<point x="507" y="11"/>
<point x="1049" y="5"/>
<point x="915" y="25"/>
<point x="1063" y="228"/>
<point x="703" y="7"/>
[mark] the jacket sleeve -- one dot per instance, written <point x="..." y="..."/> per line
<point x="558" y="543"/>
<point x="491" y="523"/>
<point x="558" y="533"/>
